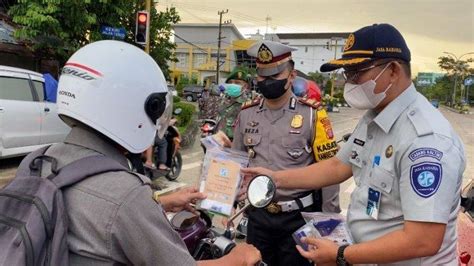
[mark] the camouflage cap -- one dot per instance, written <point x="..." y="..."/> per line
<point x="239" y="73"/>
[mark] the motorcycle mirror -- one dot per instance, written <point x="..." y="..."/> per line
<point x="177" y="111"/>
<point x="260" y="194"/>
<point x="346" y="137"/>
<point x="261" y="191"/>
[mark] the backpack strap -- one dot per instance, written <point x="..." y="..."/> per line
<point x="83" y="168"/>
<point x="24" y="168"/>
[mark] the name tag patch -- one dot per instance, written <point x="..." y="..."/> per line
<point x="425" y="178"/>
<point x="425" y="152"/>
<point x="359" y="142"/>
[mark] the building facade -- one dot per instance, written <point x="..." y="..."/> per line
<point x="314" y="49"/>
<point x="197" y="49"/>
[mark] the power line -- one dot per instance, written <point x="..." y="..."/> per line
<point x="191" y="14"/>
<point x="237" y="14"/>
<point x="197" y="47"/>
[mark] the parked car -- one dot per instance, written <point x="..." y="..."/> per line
<point x="27" y="121"/>
<point x="172" y="89"/>
<point x="435" y="103"/>
<point x="192" y="92"/>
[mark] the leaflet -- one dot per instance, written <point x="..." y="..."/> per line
<point x="220" y="177"/>
<point x="331" y="226"/>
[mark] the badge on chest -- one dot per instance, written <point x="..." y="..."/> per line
<point x="297" y="121"/>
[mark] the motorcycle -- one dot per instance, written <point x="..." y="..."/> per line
<point x="465" y="225"/>
<point x="208" y="127"/>
<point x="207" y="242"/>
<point x="173" y="156"/>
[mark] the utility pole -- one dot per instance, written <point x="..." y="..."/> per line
<point x="267" y="19"/>
<point x="219" y="38"/>
<point x="148" y="9"/>
<point x="335" y="57"/>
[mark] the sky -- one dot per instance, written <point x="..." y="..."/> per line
<point x="430" y="27"/>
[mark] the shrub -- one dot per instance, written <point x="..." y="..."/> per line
<point x="176" y="99"/>
<point x="186" y="114"/>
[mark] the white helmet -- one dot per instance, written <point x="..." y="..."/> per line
<point x="118" y="90"/>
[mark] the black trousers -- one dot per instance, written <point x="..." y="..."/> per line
<point x="271" y="234"/>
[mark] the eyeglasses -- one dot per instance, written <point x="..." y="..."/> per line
<point x="353" y="76"/>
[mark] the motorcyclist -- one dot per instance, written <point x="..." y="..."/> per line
<point x="116" y="102"/>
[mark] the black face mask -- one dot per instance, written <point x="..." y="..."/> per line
<point x="272" y="88"/>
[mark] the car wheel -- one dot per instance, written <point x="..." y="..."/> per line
<point x="189" y="98"/>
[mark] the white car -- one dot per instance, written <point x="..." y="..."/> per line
<point x="27" y="121"/>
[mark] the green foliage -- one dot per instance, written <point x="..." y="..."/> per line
<point x="441" y="90"/>
<point x="456" y="70"/>
<point x="58" y="28"/>
<point x="317" y="77"/>
<point x="327" y="88"/>
<point x="183" y="81"/>
<point x="184" y="118"/>
<point x="176" y="99"/>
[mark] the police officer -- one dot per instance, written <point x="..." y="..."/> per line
<point x="113" y="219"/>
<point x="279" y="131"/>
<point x="405" y="157"/>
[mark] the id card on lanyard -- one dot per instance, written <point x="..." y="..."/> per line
<point x="373" y="198"/>
<point x="373" y="203"/>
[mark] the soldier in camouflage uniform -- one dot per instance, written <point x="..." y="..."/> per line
<point x="236" y="93"/>
<point x="210" y="105"/>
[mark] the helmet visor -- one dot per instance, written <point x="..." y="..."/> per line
<point x="163" y="121"/>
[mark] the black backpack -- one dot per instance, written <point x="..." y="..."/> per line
<point x="33" y="219"/>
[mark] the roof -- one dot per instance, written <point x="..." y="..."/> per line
<point x="210" y="25"/>
<point x="313" y="35"/>
<point x="20" y="70"/>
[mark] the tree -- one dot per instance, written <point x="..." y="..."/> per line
<point x="58" y="28"/>
<point x="441" y="90"/>
<point x="457" y="70"/>
<point x="317" y="77"/>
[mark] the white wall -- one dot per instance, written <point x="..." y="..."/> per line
<point x="312" y="53"/>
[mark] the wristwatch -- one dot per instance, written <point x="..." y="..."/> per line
<point x="340" y="260"/>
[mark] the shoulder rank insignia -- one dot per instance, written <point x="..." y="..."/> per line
<point x="250" y="103"/>
<point x="310" y="102"/>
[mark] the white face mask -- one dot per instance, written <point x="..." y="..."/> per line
<point x="362" y="96"/>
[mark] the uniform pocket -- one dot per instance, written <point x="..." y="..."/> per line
<point x="382" y="179"/>
<point x="294" y="142"/>
<point x="251" y="140"/>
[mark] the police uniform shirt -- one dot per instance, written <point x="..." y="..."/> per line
<point x="281" y="138"/>
<point x="410" y="159"/>
<point x="113" y="218"/>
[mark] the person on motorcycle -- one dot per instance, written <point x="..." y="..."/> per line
<point x="161" y="145"/>
<point x="117" y="100"/>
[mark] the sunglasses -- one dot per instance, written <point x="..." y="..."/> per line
<point x="353" y="75"/>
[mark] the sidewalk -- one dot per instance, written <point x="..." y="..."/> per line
<point x="455" y="110"/>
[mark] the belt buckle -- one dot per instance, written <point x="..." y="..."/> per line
<point x="273" y="208"/>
